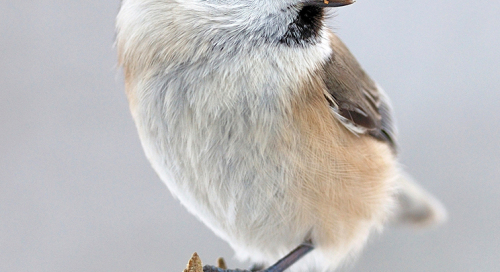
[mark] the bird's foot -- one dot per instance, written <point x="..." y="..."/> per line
<point x="279" y="266"/>
<point x="257" y="267"/>
<point x="209" y="268"/>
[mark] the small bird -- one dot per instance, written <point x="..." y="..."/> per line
<point x="265" y="127"/>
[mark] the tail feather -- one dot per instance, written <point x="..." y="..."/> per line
<point x="415" y="206"/>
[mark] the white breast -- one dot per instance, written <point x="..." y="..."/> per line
<point x="218" y="124"/>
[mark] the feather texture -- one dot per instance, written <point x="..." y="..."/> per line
<point x="359" y="102"/>
<point x="237" y="126"/>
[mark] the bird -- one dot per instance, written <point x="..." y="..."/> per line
<point x="262" y="123"/>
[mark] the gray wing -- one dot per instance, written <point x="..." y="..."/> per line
<point x="364" y="108"/>
<point x="359" y="103"/>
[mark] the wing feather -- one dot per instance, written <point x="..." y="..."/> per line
<point x="361" y="105"/>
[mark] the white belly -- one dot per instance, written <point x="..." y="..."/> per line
<point x="266" y="177"/>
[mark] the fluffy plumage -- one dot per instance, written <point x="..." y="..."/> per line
<point x="237" y="113"/>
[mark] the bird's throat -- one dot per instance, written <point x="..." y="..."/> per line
<point x="305" y="29"/>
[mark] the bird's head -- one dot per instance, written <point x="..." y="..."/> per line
<point x="272" y="20"/>
<point x="194" y="29"/>
<point x="288" y="21"/>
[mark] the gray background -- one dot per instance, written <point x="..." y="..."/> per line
<point x="77" y="194"/>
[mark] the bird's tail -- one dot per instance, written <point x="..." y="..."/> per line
<point x="415" y="206"/>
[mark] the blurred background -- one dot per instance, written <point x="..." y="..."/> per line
<point x="77" y="194"/>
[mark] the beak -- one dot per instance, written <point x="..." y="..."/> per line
<point x="328" y="3"/>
